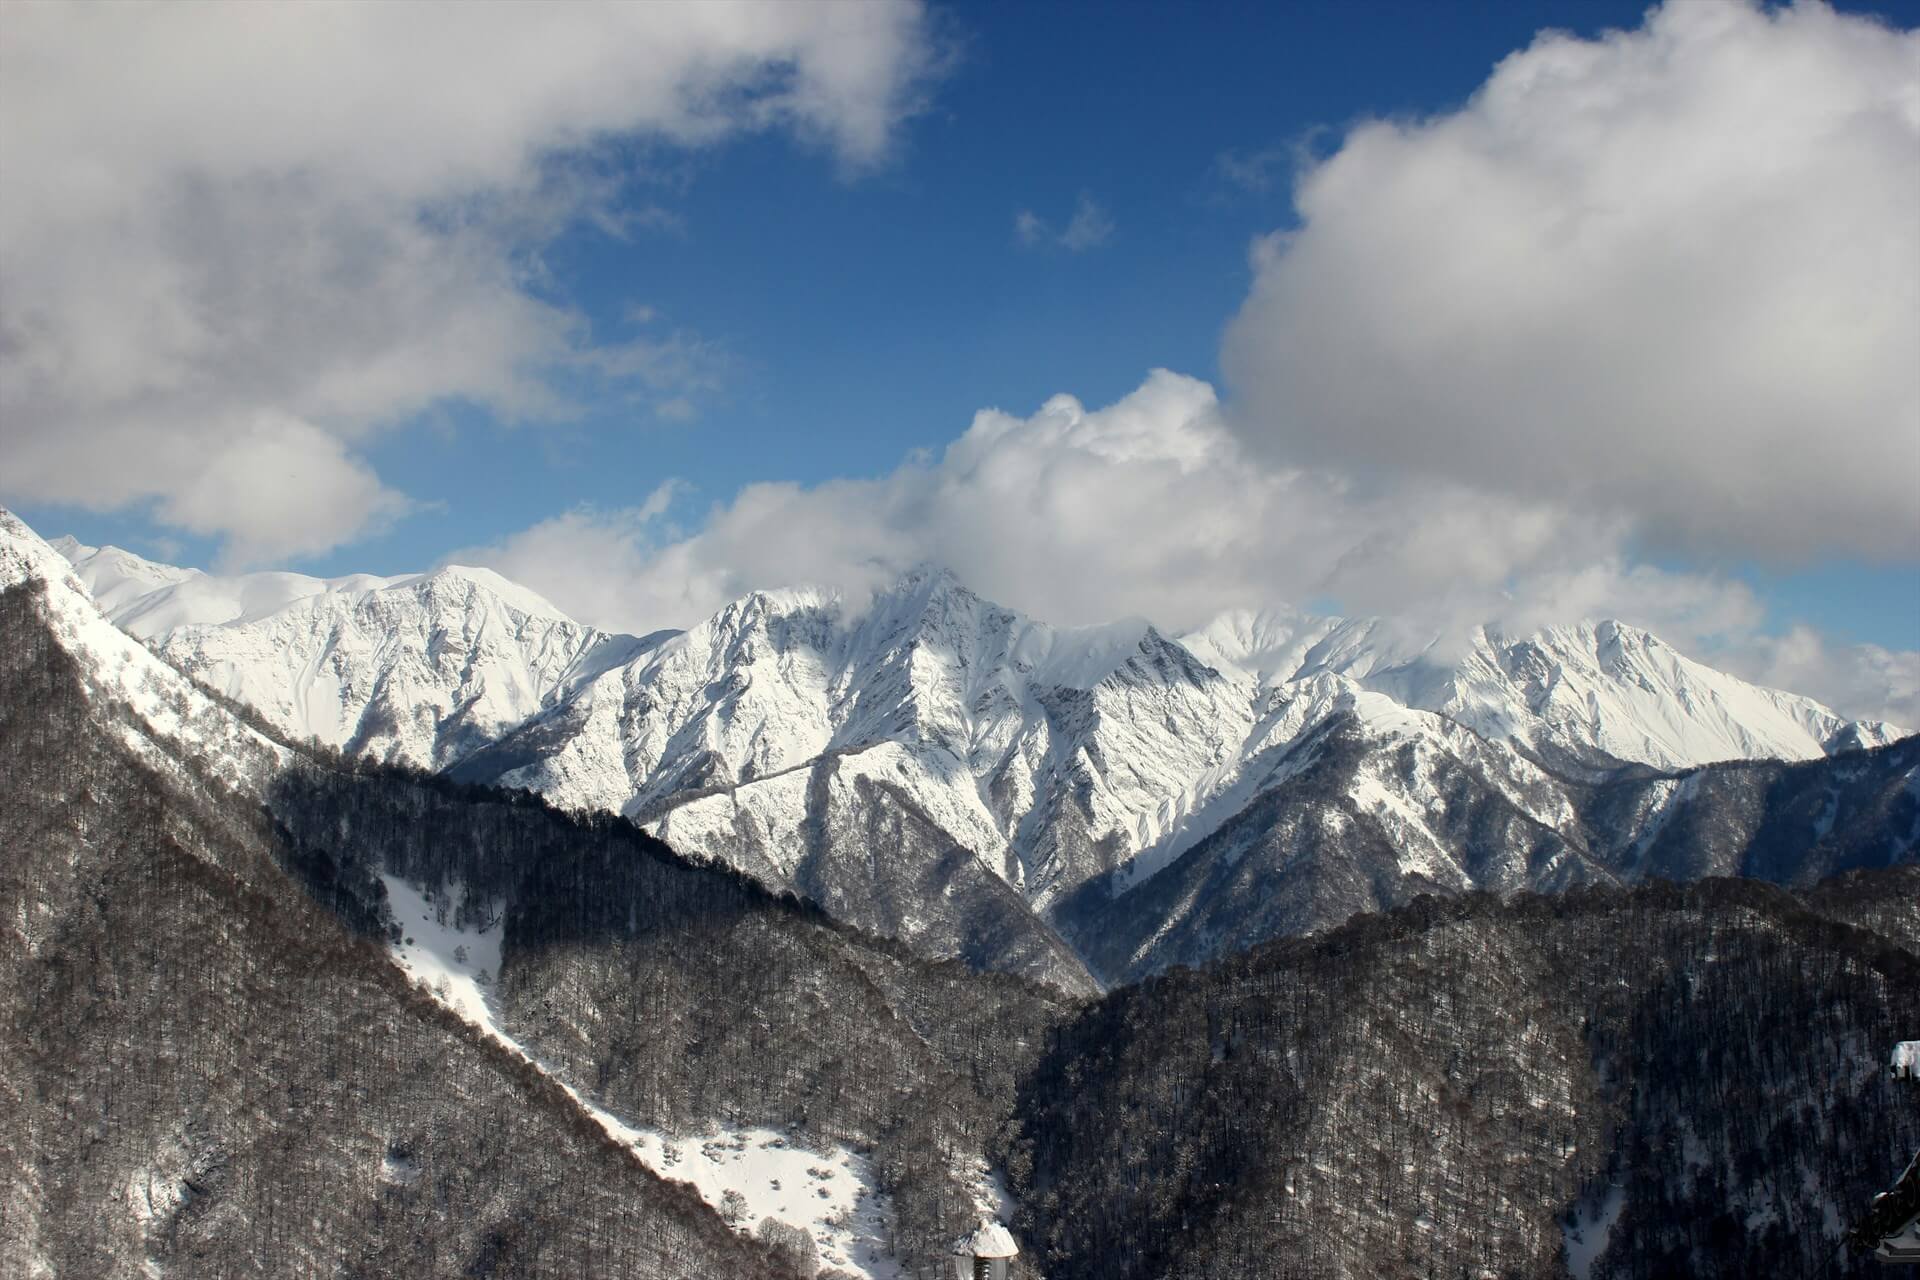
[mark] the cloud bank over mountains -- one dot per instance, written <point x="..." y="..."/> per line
<point x="1152" y="507"/>
<point x="235" y="242"/>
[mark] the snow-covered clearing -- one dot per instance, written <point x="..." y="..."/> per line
<point x="825" y="1190"/>
<point x="1586" y="1233"/>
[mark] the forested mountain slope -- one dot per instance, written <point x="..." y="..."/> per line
<point x="1656" y="1082"/>
<point x="207" y="1074"/>
<point x="222" y="1072"/>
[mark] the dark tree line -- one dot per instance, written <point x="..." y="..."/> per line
<point x="1432" y="1091"/>
<point x="680" y="994"/>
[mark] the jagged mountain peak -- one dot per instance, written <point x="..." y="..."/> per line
<point x="421" y="668"/>
<point x="471" y="578"/>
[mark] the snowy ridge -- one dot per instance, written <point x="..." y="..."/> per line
<point x="1603" y="691"/>
<point x="418" y="669"/>
<point x="171" y="720"/>
<point x="983" y="717"/>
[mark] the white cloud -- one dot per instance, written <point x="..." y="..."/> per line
<point x="1672" y="273"/>
<point x="589" y="562"/>
<point x="1090" y="227"/>
<point x="225" y="225"/>
<point x="276" y="486"/>
<point x="1660" y="285"/>
<point x="1863" y="680"/>
<point x="1148" y="507"/>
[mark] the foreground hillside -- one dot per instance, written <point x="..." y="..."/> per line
<point x="208" y="1074"/>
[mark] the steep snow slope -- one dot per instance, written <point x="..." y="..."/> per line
<point x="1594" y="694"/>
<point x="1048" y="753"/>
<point x="1059" y="756"/>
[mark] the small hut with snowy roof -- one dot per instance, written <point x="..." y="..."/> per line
<point x="1891" y="1228"/>
<point x="983" y="1254"/>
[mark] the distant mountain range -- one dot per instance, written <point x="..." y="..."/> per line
<point x="1069" y="803"/>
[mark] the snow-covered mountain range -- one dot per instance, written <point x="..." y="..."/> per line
<point x="931" y="765"/>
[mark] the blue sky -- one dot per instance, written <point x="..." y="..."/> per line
<point x="824" y="313"/>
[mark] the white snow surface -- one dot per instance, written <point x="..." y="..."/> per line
<point x="1053" y="754"/>
<point x="989" y="1240"/>
<point x="1906" y="1058"/>
<point x="1592" y="687"/>
<point x="452" y="950"/>
<point x="1587" y="1232"/>
<point x="418" y="669"/>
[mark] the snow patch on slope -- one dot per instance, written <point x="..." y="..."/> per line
<point x="830" y="1191"/>
<point x="827" y="1193"/>
<point x="1587" y="1230"/>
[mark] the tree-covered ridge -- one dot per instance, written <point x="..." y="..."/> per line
<point x="1446" y="1088"/>
<point x="1308" y="854"/>
<point x="678" y="993"/>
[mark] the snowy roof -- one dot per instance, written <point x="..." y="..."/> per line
<point x="1906" y="1059"/>
<point x="989" y="1240"/>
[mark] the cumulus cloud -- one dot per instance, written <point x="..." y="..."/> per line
<point x="231" y="229"/>
<point x="1671" y="273"/>
<point x="595" y="565"/>
<point x="1090" y="227"/>
<point x="1663" y="284"/>
<point x="1152" y="507"/>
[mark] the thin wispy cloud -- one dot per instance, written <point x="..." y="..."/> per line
<point x="1255" y="172"/>
<point x="1089" y="227"/>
